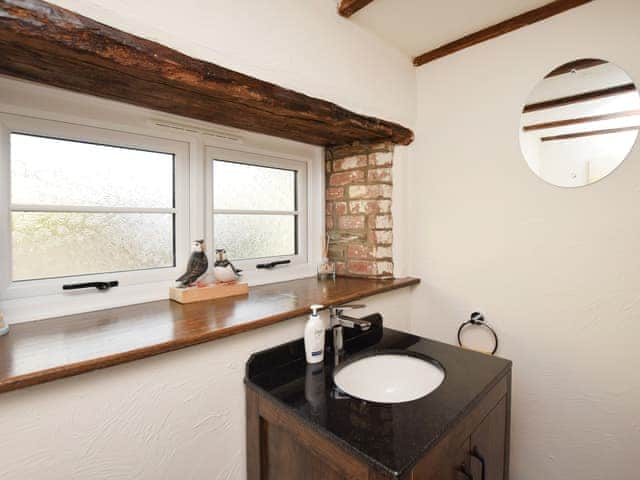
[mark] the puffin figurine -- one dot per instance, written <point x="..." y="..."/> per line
<point x="197" y="265"/>
<point x="223" y="269"/>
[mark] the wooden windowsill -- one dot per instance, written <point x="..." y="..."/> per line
<point x="45" y="350"/>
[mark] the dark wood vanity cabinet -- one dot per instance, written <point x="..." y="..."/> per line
<point x="300" y="426"/>
<point x="281" y="446"/>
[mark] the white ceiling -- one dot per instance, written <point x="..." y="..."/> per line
<point x="417" y="26"/>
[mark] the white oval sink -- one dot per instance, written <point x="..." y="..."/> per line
<point x="389" y="378"/>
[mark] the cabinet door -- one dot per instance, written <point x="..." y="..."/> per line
<point x="453" y="466"/>
<point x="488" y="444"/>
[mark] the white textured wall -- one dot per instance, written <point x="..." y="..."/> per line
<point x="178" y="415"/>
<point x="556" y="270"/>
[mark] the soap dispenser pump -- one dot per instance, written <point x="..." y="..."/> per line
<point x="314" y="336"/>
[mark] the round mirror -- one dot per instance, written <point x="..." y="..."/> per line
<point x="580" y="122"/>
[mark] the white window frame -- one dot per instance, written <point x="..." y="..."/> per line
<point x="28" y="105"/>
<point x="300" y="166"/>
<point x="10" y="123"/>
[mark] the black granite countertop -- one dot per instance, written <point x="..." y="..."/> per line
<point x="391" y="437"/>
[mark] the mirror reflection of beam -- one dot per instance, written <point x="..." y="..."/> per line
<point x="567" y="136"/>
<point x="581" y="97"/>
<point x="576" y="121"/>
<point x="582" y="64"/>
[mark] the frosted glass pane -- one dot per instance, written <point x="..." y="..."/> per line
<point x="237" y="186"/>
<point x="64" y="244"/>
<point x="255" y="236"/>
<point x="47" y="171"/>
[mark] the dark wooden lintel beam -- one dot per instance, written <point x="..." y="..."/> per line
<point x="346" y="8"/>
<point x="581" y="97"/>
<point x="579" y="120"/>
<point x="523" y="20"/>
<point x="54" y="46"/>
<point x="590" y="133"/>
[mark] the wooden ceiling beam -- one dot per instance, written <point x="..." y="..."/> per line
<point x="47" y="44"/>
<point x="590" y="133"/>
<point x="532" y="16"/>
<point x="346" y="8"/>
<point x="581" y="97"/>
<point x="579" y="120"/>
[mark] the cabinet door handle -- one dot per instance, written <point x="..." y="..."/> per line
<point x="475" y="455"/>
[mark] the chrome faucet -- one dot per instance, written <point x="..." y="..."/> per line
<point x="338" y="320"/>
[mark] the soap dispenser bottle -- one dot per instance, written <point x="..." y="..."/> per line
<point x="314" y="336"/>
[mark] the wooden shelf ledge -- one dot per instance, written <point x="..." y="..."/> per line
<point x="54" y="46"/>
<point x="45" y="350"/>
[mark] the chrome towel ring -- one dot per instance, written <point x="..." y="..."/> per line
<point x="478" y="319"/>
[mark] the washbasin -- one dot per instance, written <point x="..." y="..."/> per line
<point x="389" y="378"/>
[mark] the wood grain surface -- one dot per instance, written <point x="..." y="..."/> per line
<point x="528" y="18"/>
<point x="346" y="8"/>
<point x="45" y="350"/>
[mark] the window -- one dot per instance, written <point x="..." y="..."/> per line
<point x="88" y="204"/>
<point x="80" y="208"/>
<point x="256" y="208"/>
<point x="123" y="199"/>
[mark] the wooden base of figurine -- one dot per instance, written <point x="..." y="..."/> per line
<point x="208" y="292"/>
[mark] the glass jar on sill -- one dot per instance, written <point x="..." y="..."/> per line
<point x="326" y="270"/>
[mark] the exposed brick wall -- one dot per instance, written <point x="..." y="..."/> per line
<point x="359" y="222"/>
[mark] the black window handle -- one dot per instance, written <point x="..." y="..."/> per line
<point x="98" y="285"/>
<point x="475" y="455"/>
<point x="273" y="264"/>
